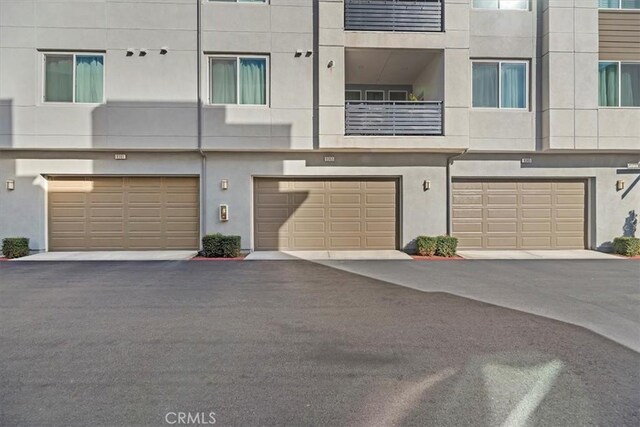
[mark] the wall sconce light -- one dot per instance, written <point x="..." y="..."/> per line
<point x="224" y="184"/>
<point x="298" y="53"/>
<point x="331" y="64"/>
<point x="620" y="185"/>
<point x="143" y="52"/>
<point x="164" y="50"/>
<point x="224" y="213"/>
<point x="130" y="51"/>
<point x="11" y="185"/>
<point x="426" y="185"/>
<point x="309" y="53"/>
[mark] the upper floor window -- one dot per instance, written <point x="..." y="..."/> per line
<point x="618" y="84"/>
<point x="619" y="4"/>
<point x="74" y="77"/>
<point x="500" y="84"/>
<point x="240" y="1"/>
<point x="238" y="80"/>
<point x="501" y="4"/>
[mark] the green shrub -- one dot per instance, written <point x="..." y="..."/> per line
<point x="426" y="245"/>
<point x="627" y="246"/>
<point x="220" y="246"/>
<point x="446" y="246"/>
<point x="15" y="247"/>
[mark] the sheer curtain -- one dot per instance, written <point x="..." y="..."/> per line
<point x="253" y="81"/>
<point x="89" y="78"/>
<point x="223" y="81"/>
<point x="485" y="84"/>
<point x="630" y="85"/>
<point x="608" y="84"/>
<point x="513" y="79"/>
<point x="58" y="78"/>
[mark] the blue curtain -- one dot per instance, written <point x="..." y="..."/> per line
<point x="89" y="78"/>
<point x="608" y="4"/>
<point x="485" y="84"/>
<point x="513" y="78"/>
<point x="253" y="81"/>
<point x="608" y="84"/>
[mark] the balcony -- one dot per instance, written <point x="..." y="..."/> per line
<point x="394" y="92"/>
<point x="393" y="118"/>
<point x="393" y="15"/>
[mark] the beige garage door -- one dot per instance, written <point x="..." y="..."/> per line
<point x="519" y="214"/>
<point x="123" y="213"/>
<point x="313" y="214"/>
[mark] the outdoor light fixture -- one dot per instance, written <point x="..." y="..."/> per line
<point x="298" y="53"/>
<point x="331" y="64"/>
<point x="426" y="185"/>
<point x="143" y="52"/>
<point x="11" y="185"/>
<point x="164" y="50"/>
<point x="130" y="51"/>
<point x="224" y="184"/>
<point x="620" y="185"/>
<point x="309" y="53"/>
<point x="224" y="213"/>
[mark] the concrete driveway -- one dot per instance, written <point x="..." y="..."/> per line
<point x="294" y="343"/>
<point x="600" y="295"/>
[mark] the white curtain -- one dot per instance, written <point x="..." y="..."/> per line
<point x="513" y="78"/>
<point x="630" y="85"/>
<point x="89" y="78"/>
<point x="223" y="81"/>
<point x="253" y="81"/>
<point x="485" y="84"/>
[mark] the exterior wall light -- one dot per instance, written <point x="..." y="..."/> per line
<point x="331" y="64"/>
<point x="143" y="52"/>
<point x="426" y="185"/>
<point x="11" y="185"/>
<point x="224" y="184"/>
<point x="164" y="50"/>
<point x="620" y="185"/>
<point x="224" y="213"/>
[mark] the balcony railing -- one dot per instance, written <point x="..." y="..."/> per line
<point x="393" y="118"/>
<point x="393" y="15"/>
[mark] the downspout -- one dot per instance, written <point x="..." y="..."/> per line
<point x="450" y="160"/>
<point x="203" y="167"/>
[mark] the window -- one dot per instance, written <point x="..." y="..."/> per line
<point x="352" y="95"/>
<point x="618" y="84"/>
<point x="619" y="4"/>
<point x="398" y="95"/>
<point x="75" y="78"/>
<point x="501" y="4"/>
<point x="500" y="84"/>
<point x="238" y="80"/>
<point x="374" y="95"/>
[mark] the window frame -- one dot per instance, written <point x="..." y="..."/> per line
<point x="366" y="92"/>
<point x="238" y="57"/>
<point x="73" y="82"/>
<point x="618" y="9"/>
<point x="354" y="90"/>
<point x="406" y="95"/>
<point x="619" y="82"/>
<point x="527" y="106"/>
<point x="526" y="9"/>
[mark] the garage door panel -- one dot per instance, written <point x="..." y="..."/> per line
<point x="325" y="214"/>
<point x="545" y="214"/>
<point x="119" y="213"/>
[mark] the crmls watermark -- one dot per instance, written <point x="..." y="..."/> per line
<point x="190" y="418"/>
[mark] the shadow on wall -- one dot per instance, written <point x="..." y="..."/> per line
<point x="6" y="123"/>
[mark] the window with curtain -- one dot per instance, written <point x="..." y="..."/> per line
<point x="240" y="1"/>
<point x="619" y="4"/>
<point x="238" y="80"/>
<point x="75" y="78"/>
<point x="501" y="4"/>
<point x="618" y="84"/>
<point x="497" y="84"/>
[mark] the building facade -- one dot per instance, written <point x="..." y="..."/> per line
<point x="318" y="124"/>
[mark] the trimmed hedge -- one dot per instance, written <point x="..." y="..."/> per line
<point x="426" y="245"/>
<point x="220" y="246"/>
<point x="627" y="246"/>
<point x="15" y="247"/>
<point x="445" y="246"/>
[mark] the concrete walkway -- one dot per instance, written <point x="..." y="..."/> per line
<point x="600" y="295"/>
<point x="529" y="254"/>
<point x="326" y="255"/>
<point x="111" y="256"/>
